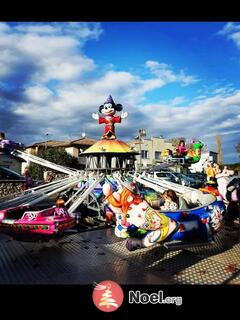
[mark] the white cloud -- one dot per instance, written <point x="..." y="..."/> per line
<point x="201" y="119"/>
<point x="232" y="31"/>
<point x="55" y="52"/>
<point x="164" y="72"/>
<point x="80" y="30"/>
<point x="4" y="27"/>
<point x="178" y="100"/>
<point x="223" y="90"/>
<point x="51" y="51"/>
<point x="223" y="133"/>
<point x="38" y="94"/>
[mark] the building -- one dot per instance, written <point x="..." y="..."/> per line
<point x="151" y="150"/>
<point x="72" y="147"/>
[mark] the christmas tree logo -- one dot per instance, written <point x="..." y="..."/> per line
<point x="107" y="296"/>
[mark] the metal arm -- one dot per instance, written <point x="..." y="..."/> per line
<point x="43" y="162"/>
<point x="85" y="194"/>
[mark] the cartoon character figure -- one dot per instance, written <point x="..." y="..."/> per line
<point x="210" y="172"/>
<point x="108" y="109"/>
<point x="181" y="149"/>
<point x="167" y="154"/>
<point x="109" y="215"/>
<point x="216" y="218"/>
<point x="60" y="210"/>
<point x="194" y="153"/>
<point x="223" y="179"/>
<point x="136" y="218"/>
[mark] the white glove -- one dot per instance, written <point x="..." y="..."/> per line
<point x="95" y="116"/>
<point x="124" y="115"/>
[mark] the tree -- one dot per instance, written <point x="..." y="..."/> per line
<point x="58" y="156"/>
<point x="219" y="148"/>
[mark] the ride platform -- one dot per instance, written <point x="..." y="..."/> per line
<point x="97" y="255"/>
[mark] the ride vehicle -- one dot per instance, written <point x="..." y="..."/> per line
<point x="188" y="181"/>
<point x="177" y="177"/>
<point x="165" y="175"/>
<point x="30" y="220"/>
<point x="139" y="220"/>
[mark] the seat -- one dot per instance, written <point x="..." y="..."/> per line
<point x="182" y="203"/>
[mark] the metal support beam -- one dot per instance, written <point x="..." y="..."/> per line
<point x="85" y="194"/>
<point x="43" y="162"/>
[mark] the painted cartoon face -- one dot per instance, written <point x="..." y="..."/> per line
<point x="108" y="109"/>
<point x="136" y="214"/>
<point x="156" y="221"/>
<point x="216" y="218"/>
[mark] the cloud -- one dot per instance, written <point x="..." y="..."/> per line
<point x="164" y="72"/>
<point x="232" y="31"/>
<point x="49" y="85"/>
<point x="202" y="119"/>
<point x="38" y="94"/>
<point x="80" y="30"/>
<point x="51" y="51"/>
<point x="178" y="100"/>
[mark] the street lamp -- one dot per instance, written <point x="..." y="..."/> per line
<point x="141" y="135"/>
<point x="47" y="134"/>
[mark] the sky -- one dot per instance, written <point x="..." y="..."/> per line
<point x="175" y="79"/>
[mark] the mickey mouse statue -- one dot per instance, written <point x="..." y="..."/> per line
<point x="108" y="109"/>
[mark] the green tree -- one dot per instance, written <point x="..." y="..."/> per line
<point x="58" y="156"/>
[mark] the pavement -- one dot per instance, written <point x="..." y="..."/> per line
<point x="96" y="255"/>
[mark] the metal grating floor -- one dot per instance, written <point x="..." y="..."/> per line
<point x="81" y="258"/>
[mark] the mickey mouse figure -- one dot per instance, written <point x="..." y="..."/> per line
<point x="108" y="109"/>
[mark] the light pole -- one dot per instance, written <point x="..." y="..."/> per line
<point x="141" y="134"/>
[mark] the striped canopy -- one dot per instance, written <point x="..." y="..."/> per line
<point x="109" y="146"/>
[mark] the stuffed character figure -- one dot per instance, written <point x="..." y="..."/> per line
<point x="181" y="149"/>
<point x="210" y="172"/>
<point x="60" y="209"/>
<point x="194" y="153"/>
<point x="135" y="218"/>
<point x="167" y="154"/>
<point x="108" y="109"/>
<point x="223" y="179"/>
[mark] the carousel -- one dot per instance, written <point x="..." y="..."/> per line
<point x="137" y="201"/>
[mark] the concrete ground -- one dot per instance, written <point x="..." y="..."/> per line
<point x="85" y="257"/>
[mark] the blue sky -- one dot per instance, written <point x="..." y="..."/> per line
<point x="173" y="78"/>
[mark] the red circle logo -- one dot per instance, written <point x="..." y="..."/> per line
<point x="107" y="296"/>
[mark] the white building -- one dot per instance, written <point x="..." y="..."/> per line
<point x="151" y="150"/>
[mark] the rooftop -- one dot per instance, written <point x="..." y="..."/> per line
<point x="66" y="143"/>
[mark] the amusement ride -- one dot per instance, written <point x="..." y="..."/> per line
<point x="110" y="183"/>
